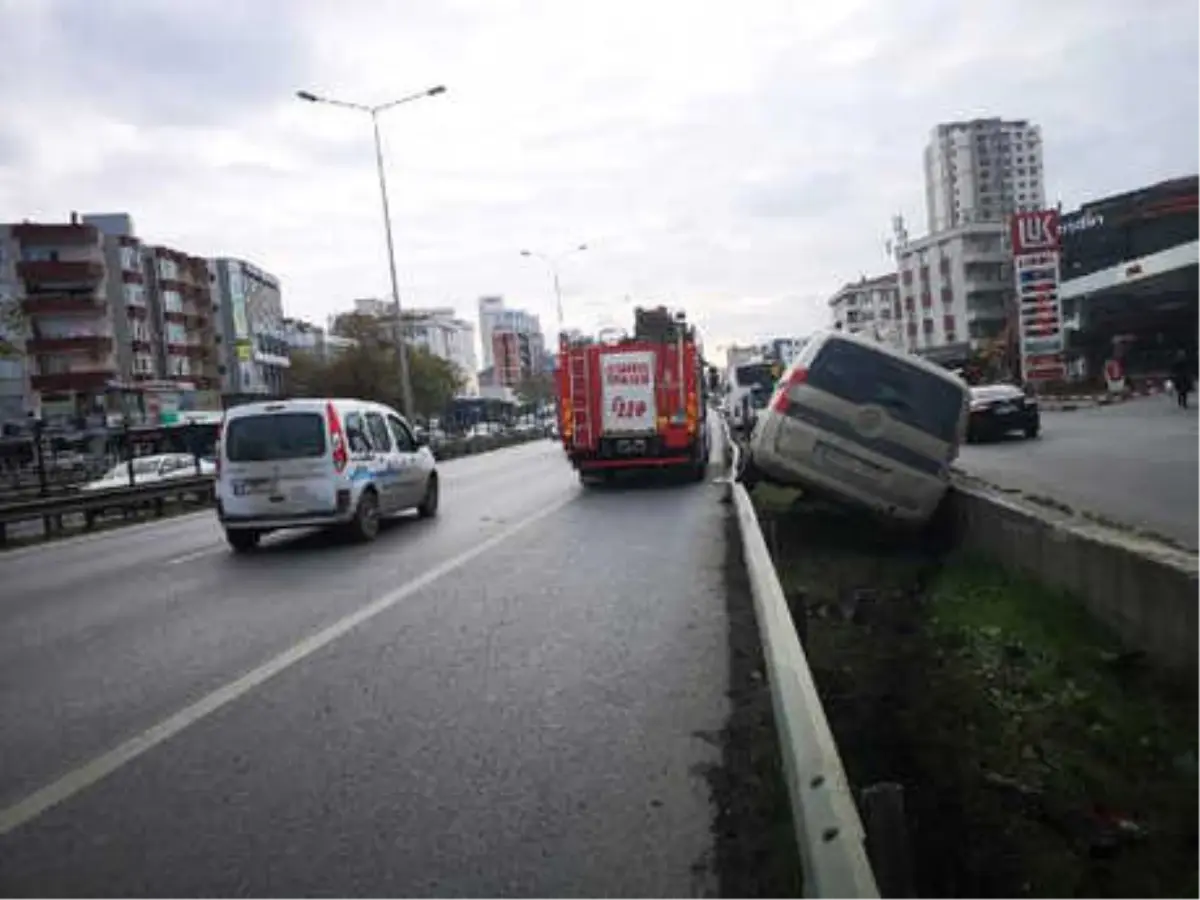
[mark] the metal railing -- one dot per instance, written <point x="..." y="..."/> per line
<point x="829" y="832"/>
<point x="94" y="504"/>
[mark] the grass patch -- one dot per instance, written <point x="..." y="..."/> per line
<point x="1037" y="758"/>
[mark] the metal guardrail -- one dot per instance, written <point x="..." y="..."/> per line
<point x="95" y="503"/>
<point x="829" y="832"/>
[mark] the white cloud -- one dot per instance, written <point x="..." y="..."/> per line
<point x="741" y="162"/>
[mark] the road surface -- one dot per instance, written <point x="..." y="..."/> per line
<point x="1134" y="463"/>
<point x="512" y="699"/>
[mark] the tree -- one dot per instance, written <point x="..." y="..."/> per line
<point x="537" y="390"/>
<point x="370" y="370"/>
<point x="13" y="328"/>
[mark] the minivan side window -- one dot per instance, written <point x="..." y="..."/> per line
<point x="379" y="433"/>
<point x="404" y="439"/>
<point x="356" y="434"/>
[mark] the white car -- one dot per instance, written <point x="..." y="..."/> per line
<point x="151" y="470"/>
<point x="319" y="462"/>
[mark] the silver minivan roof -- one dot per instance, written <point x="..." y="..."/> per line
<point x="911" y="358"/>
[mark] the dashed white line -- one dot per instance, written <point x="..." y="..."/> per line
<point x="195" y="554"/>
<point x="101" y="767"/>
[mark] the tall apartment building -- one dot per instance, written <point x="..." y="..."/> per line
<point x="956" y="290"/>
<point x="251" y="335"/>
<point x="495" y="317"/>
<point x="870" y="307"/>
<point x="982" y="170"/>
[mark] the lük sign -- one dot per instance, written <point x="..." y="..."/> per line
<point x="1035" y="232"/>
<point x="1035" y="242"/>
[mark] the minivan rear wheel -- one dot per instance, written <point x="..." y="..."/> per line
<point x="364" y="527"/>
<point x="429" y="505"/>
<point x="242" y="540"/>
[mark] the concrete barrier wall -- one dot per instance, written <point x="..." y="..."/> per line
<point x="1145" y="591"/>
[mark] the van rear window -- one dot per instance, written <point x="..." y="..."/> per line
<point x="909" y="394"/>
<point x="262" y="438"/>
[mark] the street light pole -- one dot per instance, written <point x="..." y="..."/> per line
<point x="397" y="327"/>
<point x="552" y="265"/>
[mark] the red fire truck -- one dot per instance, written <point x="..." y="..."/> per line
<point x="635" y="402"/>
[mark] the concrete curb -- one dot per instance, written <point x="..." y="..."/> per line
<point x="829" y="832"/>
<point x="1089" y="401"/>
<point x="1144" y="590"/>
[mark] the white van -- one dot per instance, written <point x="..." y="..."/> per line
<point x="862" y="423"/>
<point x="750" y="385"/>
<point x="326" y="462"/>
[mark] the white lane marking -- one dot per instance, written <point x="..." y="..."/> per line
<point x="195" y="554"/>
<point x="102" y="766"/>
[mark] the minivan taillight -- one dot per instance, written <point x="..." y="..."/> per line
<point x="336" y="439"/>
<point x="779" y="403"/>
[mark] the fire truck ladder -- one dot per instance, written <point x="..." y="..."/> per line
<point x="577" y="375"/>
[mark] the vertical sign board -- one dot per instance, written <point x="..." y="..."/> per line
<point x="1035" y="244"/>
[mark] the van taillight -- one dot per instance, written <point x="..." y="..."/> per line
<point x="340" y="458"/>
<point x="779" y="403"/>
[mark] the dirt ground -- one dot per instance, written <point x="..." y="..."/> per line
<point x="1037" y="758"/>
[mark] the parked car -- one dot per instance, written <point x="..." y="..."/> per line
<point x="325" y="463"/>
<point x="1000" y="409"/>
<point x="151" y="470"/>
<point x="863" y="424"/>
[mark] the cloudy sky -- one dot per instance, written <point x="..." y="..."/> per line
<point x="739" y="160"/>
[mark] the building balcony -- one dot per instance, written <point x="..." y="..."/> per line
<point x="32" y="234"/>
<point x="141" y="344"/>
<point x="93" y="379"/>
<point x="93" y="343"/>
<point x="47" y="271"/>
<point x="129" y="276"/>
<point x="194" y="349"/>
<point x="84" y="303"/>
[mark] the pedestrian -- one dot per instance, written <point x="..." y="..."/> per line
<point x="1181" y="379"/>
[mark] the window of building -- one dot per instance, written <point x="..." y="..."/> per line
<point x="947" y="295"/>
<point x="927" y="326"/>
<point x="948" y="324"/>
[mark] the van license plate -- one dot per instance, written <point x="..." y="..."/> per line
<point x="251" y="486"/>
<point x="836" y="459"/>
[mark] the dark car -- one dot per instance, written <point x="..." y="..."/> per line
<point x="998" y="409"/>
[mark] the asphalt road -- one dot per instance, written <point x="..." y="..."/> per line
<point x="1134" y="463"/>
<point x="511" y="699"/>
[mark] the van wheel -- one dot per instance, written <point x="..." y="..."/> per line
<point x="429" y="506"/>
<point x="364" y="527"/>
<point x="242" y="540"/>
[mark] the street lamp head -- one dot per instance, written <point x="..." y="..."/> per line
<point x="582" y="247"/>
<point x="526" y="253"/>
<point x="434" y="91"/>
<point x="306" y="95"/>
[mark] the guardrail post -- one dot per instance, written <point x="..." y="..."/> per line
<point x="887" y="838"/>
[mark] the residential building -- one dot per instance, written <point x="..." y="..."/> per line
<point x="494" y="316"/>
<point x="304" y="337"/>
<point x="448" y="337"/>
<point x="182" y="310"/>
<point x="870" y="307"/>
<point x="252" y="337"/>
<point x="956" y="291"/>
<point x="60" y="285"/>
<point x="982" y="170"/>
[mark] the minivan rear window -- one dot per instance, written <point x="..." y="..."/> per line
<point x="909" y="394"/>
<point x="760" y="374"/>
<point x="272" y="436"/>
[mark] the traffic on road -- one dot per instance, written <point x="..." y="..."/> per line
<point x="510" y="698"/>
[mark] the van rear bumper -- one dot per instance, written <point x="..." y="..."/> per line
<point x="315" y="519"/>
